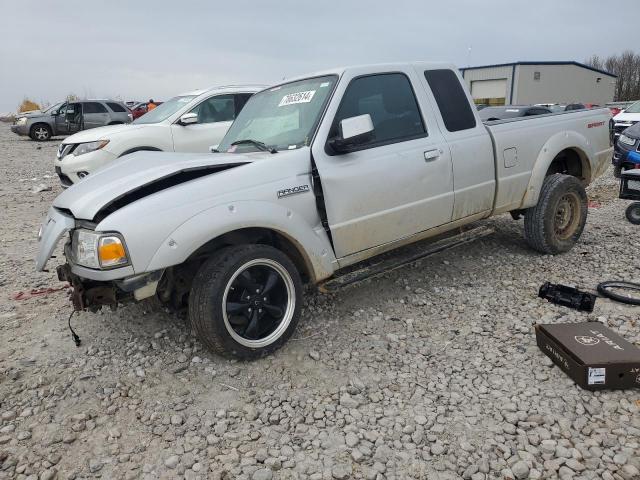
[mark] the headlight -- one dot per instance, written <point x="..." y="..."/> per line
<point x="21" y="121"/>
<point x="98" y="250"/>
<point x="627" y="140"/>
<point x="83" y="148"/>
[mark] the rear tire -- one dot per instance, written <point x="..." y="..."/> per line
<point x="633" y="213"/>
<point x="40" y="132"/>
<point x="555" y="224"/>
<point x="245" y="301"/>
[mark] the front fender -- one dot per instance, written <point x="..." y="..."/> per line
<point x="556" y="144"/>
<point x="209" y="224"/>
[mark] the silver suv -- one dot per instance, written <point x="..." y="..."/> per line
<point x="70" y="117"/>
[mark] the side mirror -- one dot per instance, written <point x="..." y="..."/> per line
<point x="188" y="119"/>
<point x="214" y="148"/>
<point x="352" y="132"/>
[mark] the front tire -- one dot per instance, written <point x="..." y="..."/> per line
<point x="245" y="301"/>
<point x="555" y="224"/>
<point x="40" y="132"/>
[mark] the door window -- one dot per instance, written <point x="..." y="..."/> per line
<point x="452" y="101"/>
<point x="389" y="100"/>
<point x="220" y="108"/>
<point x="116" y="107"/>
<point x="73" y="113"/>
<point x="93" y="107"/>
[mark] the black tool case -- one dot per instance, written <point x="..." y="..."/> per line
<point x="591" y="354"/>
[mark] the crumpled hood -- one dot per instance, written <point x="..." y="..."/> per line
<point x="87" y="197"/>
<point x="101" y="133"/>
<point x="30" y="114"/>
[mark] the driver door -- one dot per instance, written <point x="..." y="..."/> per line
<point x="61" y="125"/>
<point x="399" y="182"/>
<point x="215" y="116"/>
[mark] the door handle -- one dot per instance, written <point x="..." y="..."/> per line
<point x="431" y="155"/>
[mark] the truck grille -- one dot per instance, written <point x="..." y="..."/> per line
<point x="618" y="129"/>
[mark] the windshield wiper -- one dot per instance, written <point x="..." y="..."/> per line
<point x="256" y="143"/>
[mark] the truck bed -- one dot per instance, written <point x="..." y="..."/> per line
<point x="522" y="144"/>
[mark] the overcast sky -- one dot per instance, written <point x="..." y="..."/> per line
<point x="140" y="49"/>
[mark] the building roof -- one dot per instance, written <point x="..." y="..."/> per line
<point x="577" y="64"/>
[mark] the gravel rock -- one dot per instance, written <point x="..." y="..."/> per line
<point x="262" y="474"/>
<point x="428" y="371"/>
<point x="520" y="470"/>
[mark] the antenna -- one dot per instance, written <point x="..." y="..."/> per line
<point x="469" y="56"/>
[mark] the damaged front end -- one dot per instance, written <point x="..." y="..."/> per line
<point x="92" y="295"/>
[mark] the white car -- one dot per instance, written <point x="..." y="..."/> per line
<point x="190" y="122"/>
<point x="626" y="118"/>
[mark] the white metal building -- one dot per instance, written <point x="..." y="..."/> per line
<point x="524" y="83"/>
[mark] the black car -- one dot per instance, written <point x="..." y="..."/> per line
<point x="511" y="111"/>
<point x="626" y="154"/>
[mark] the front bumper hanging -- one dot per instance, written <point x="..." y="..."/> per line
<point x="92" y="294"/>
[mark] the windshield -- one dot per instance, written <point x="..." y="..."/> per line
<point x="634" y="108"/>
<point x="282" y="117"/>
<point x="52" y="107"/>
<point x="164" y="111"/>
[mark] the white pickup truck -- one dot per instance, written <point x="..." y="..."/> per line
<point x="315" y="175"/>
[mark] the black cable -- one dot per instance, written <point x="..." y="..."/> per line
<point x="76" y="338"/>
<point x="603" y="289"/>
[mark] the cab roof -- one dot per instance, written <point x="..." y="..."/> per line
<point x="367" y="68"/>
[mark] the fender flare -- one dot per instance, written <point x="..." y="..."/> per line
<point x="550" y="150"/>
<point x="312" y="244"/>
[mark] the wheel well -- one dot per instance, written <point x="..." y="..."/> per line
<point x="38" y="124"/>
<point x="115" y="123"/>
<point x="140" y="149"/>
<point x="571" y="162"/>
<point x="263" y="236"/>
<point x="176" y="283"/>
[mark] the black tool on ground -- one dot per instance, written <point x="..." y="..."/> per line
<point x="567" y="296"/>
<point x="594" y="356"/>
<point x="610" y="290"/>
<point x="630" y="190"/>
<point x="76" y="338"/>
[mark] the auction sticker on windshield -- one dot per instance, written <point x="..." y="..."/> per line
<point x="299" y="97"/>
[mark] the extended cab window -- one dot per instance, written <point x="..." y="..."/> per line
<point x="93" y="107"/>
<point x="453" y="103"/>
<point x="220" y="108"/>
<point x="389" y="100"/>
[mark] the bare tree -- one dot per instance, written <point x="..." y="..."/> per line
<point x="627" y="67"/>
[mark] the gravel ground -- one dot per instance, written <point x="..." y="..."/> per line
<point x="430" y="372"/>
